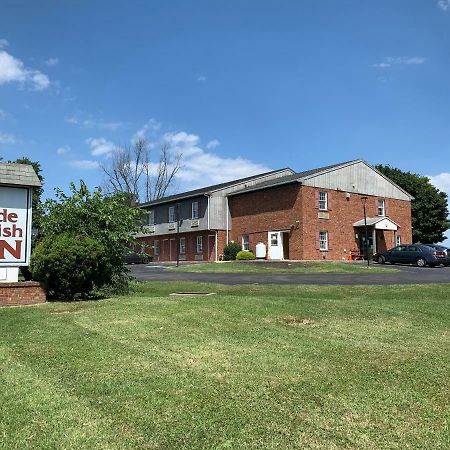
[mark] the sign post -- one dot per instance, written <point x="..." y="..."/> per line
<point x="16" y="190"/>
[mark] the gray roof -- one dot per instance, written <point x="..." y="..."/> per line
<point x="18" y="175"/>
<point x="206" y="190"/>
<point x="295" y="178"/>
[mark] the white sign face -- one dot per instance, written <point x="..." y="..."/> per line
<point x="15" y="226"/>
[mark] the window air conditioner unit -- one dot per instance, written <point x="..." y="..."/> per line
<point x="195" y="223"/>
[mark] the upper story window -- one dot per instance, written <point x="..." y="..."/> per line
<point x="323" y="201"/>
<point x="323" y="240"/>
<point x="182" y="246"/>
<point x="245" y="242"/>
<point x="194" y="212"/>
<point x="381" y="207"/>
<point x="151" y="217"/>
<point x="171" y="214"/>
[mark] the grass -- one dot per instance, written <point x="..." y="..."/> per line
<point x="252" y="367"/>
<point x="280" y="267"/>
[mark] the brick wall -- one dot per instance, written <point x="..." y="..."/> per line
<point x="168" y="246"/>
<point x="21" y="293"/>
<point x="256" y="213"/>
<point x="294" y="208"/>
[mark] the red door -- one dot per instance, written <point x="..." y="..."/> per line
<point x="165" y="251"/>
<point x="173" y="250"/>
<point x="211" y="247"/>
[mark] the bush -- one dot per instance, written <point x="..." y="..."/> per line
<point x="71" y="267"/>
<point x="244" y="255"/>
<point x="230" y="251"/>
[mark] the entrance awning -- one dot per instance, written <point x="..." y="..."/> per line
<point x="379" y="223"/>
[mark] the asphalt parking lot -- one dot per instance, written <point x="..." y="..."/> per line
<point x="405" y="275"/>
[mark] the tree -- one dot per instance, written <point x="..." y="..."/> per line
<point x="104" y="218"/>
<point x="37" y="191"/>
<point x="429" y="207"/>
<point x="130" y="171"/>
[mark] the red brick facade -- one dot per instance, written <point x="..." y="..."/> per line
<point x="294" y="209"/>
<point x="21" y="293"/>
<point x="164" y="247"/>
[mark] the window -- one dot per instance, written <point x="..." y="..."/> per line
<point x="151" y="217"/>
<point x="323" y="201"/>
<point x="381" y="207"/>
<point x="194" y="214"/>
<point x="245" y="242"/>
<point x="182" y="246"/>
<point x="156" y="248"/>
<point x="323" y="240"/>
<point x="398" y="240"/>
<point x="199" y="244"/>
<point x="171" y="214"/>
<point x="274" y="239"/>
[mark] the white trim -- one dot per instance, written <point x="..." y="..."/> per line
<point x="228" y="213"/>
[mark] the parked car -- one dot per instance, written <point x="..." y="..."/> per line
<point x="136" y="258"/>
<point x="441" y="248"/>
<point x="419" y="254"/>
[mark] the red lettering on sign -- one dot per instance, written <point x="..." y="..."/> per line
<point x="15" y="252"/>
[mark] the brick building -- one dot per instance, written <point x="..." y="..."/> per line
<point x="316" y="214"/>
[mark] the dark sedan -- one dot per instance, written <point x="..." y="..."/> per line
<point x="419" y="254"/>
<point x="443" y="249"/>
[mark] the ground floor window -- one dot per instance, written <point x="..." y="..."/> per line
<point x="398" y="240"/>
<point x="245" y="242"/>
<point x="182" y="246"/>
<point x="199" y="244"/>
<point x="156" y="248"/>
<point x="323" y="240"/>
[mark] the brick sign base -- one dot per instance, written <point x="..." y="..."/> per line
<point x="21" y="293"/>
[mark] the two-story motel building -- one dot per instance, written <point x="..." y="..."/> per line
<point x="310" y="215"/>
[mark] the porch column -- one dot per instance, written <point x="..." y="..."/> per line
<point x="374" y="238"/>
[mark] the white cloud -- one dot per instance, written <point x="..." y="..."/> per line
<point x="52" y="62"/>
<point x="13" y="70"/>
<point x="63" y="150"/>
<point x="151" y="126"/>
<point x="84" y="164"/>
<point x="201" y="167"/>
<point x="444" y="5"/>
<point x="201" y="78"/>
<point x="3" y="43"/>
<point x="92" y="123"/>
<point x="399" y="60"/>
<point x="6" y="139"/>
<point x="212" y="144"/>
<point x="441" y="181"/>
<point x="100" y="146"/>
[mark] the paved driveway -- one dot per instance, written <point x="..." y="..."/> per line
<point x="405" y="275"/>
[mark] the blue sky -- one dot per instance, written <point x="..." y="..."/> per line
<point x="238" y="86"/>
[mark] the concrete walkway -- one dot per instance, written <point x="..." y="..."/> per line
<point x="405" y="275"/>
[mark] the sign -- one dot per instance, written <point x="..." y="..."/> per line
<point x="15" y="226"/>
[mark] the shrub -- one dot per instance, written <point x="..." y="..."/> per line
<point x="71" y="267"/>
<point x="231" y="250"/>
<point x="245" y="255"/>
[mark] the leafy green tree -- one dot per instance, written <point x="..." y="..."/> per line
<point x="429" y="207"/>
<point x="95" y="215"/>
<point x="71" y="266"/>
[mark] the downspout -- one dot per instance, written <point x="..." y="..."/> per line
<point x="208" y="212"/>
<point x="228" y="213"/>
<point x="217" y="243"/>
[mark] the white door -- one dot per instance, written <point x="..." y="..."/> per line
<point x="275" y="245"/>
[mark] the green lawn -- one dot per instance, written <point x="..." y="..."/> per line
<point x="253" y="367"/>
<point x="282" y="267"/>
